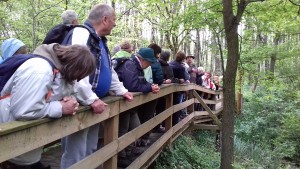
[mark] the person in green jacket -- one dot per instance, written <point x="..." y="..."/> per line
<point x="125" y="52"/>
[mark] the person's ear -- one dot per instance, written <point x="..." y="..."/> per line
<point x="75" y="22"/>
<point x="105" y="19"/>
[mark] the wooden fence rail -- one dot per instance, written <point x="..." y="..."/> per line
<point x="19" y="137"/>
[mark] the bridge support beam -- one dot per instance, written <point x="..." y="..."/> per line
<point x="205" y="127"/>
<point x="211" y="114"/>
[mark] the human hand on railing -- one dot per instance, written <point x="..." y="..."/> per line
<point x="155" y="88"/>
<point x="128" y="96"/>
<point x="98" y="106"/>
<point x="167" y="81"/>
<point x="181" y="80"/>
<point x="69" y="105"/>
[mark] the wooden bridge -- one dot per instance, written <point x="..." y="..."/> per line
<point x="19" y="137"/>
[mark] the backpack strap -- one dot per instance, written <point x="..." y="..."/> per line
<point x="92" y="43"/>
<point x="55" y="72"/>
<point x="5" y="96"/>
<point x="9" y="67"/>
<point x="49" y="94"/>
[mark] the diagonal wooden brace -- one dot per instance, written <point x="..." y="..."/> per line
<point x="211" y="114"/>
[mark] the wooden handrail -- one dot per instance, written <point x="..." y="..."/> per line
<point x="19" y="137"/>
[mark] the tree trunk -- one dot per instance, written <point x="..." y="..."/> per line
<point x="66" y="5"/>
<point x="161" y="39"/>
<point x="239" y="95"/>
<point x="197" y="48"/>
<point x="219" y="61"/>
<point x="230" y="25"/>
<point x="267" y="65"/>
<point x="256" y="78"/>
<point x="33" y="24"/>
<point x="274" y="56"/>
<point x="153" y="40"/>
<point x="185" y="47"/>
<point x="113" y="4"/>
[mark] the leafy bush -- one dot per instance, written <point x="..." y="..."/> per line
<point x="288" y="141"/>
<point x="271" y="120"/>
<point x="191" y="151"/>
<point x="248" y="155"/>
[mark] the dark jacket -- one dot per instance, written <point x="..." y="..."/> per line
<point x="199" y="79"/>
<point x="193" y="75"/>
<point x="157" y="73"/>
<point x="178" y="70"/>
<point x="168" y="71"/>
<point x="132" y="76"/>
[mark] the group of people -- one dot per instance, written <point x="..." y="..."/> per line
<point x="198" y="75"/>
<point x="55" y="79"/>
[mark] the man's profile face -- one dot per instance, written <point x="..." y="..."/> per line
<point x="189" y="60"/>
<point x="145" y="63"/>
<point x="111" y="22"/>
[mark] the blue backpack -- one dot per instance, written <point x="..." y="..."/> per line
<point x="9" y="66"/>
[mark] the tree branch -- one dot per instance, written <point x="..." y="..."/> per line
<point x="294" y="3"/>
<point x="47" y="8"/>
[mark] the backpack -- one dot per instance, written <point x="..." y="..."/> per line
<point x="58" y="33"/>
<point x="118" y="62"/>
<point x="9" y="66"/>
<point x="62" y="34"/>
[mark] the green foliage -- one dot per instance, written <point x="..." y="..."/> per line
<point x="288" y="141"/>
<point x="249" y="155"/>
<point x="197" y="152"/>
<point x="267" y="134"/>
<point x="270" y="120"/>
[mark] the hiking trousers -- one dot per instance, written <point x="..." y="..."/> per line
<point x="79" y="145"/>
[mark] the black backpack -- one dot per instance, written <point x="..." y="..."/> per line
<point x="58" y="33"/>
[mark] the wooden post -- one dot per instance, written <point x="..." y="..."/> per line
<point x="214" y="98"/>
<point x="111" y="131"/>
<point x="168" y="121"/>
<point x="169" y="103"/>
<point x="191" y="108"/>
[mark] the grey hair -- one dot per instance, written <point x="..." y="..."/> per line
<point x="200" y="68"/>
<point x="99" y="11"/>
<point x="68" y="16"/>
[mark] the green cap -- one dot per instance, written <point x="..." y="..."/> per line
<point x="147" y="54"/>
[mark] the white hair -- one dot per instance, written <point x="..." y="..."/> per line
<point x="68" y="16"/>
<point x="200" y="69"/>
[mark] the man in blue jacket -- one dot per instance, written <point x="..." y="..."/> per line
<point x="90" y="90"/>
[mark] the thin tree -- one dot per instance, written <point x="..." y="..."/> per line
<point x="231" y="23"/>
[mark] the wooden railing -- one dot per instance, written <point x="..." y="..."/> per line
<point x="19" y="137"/>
